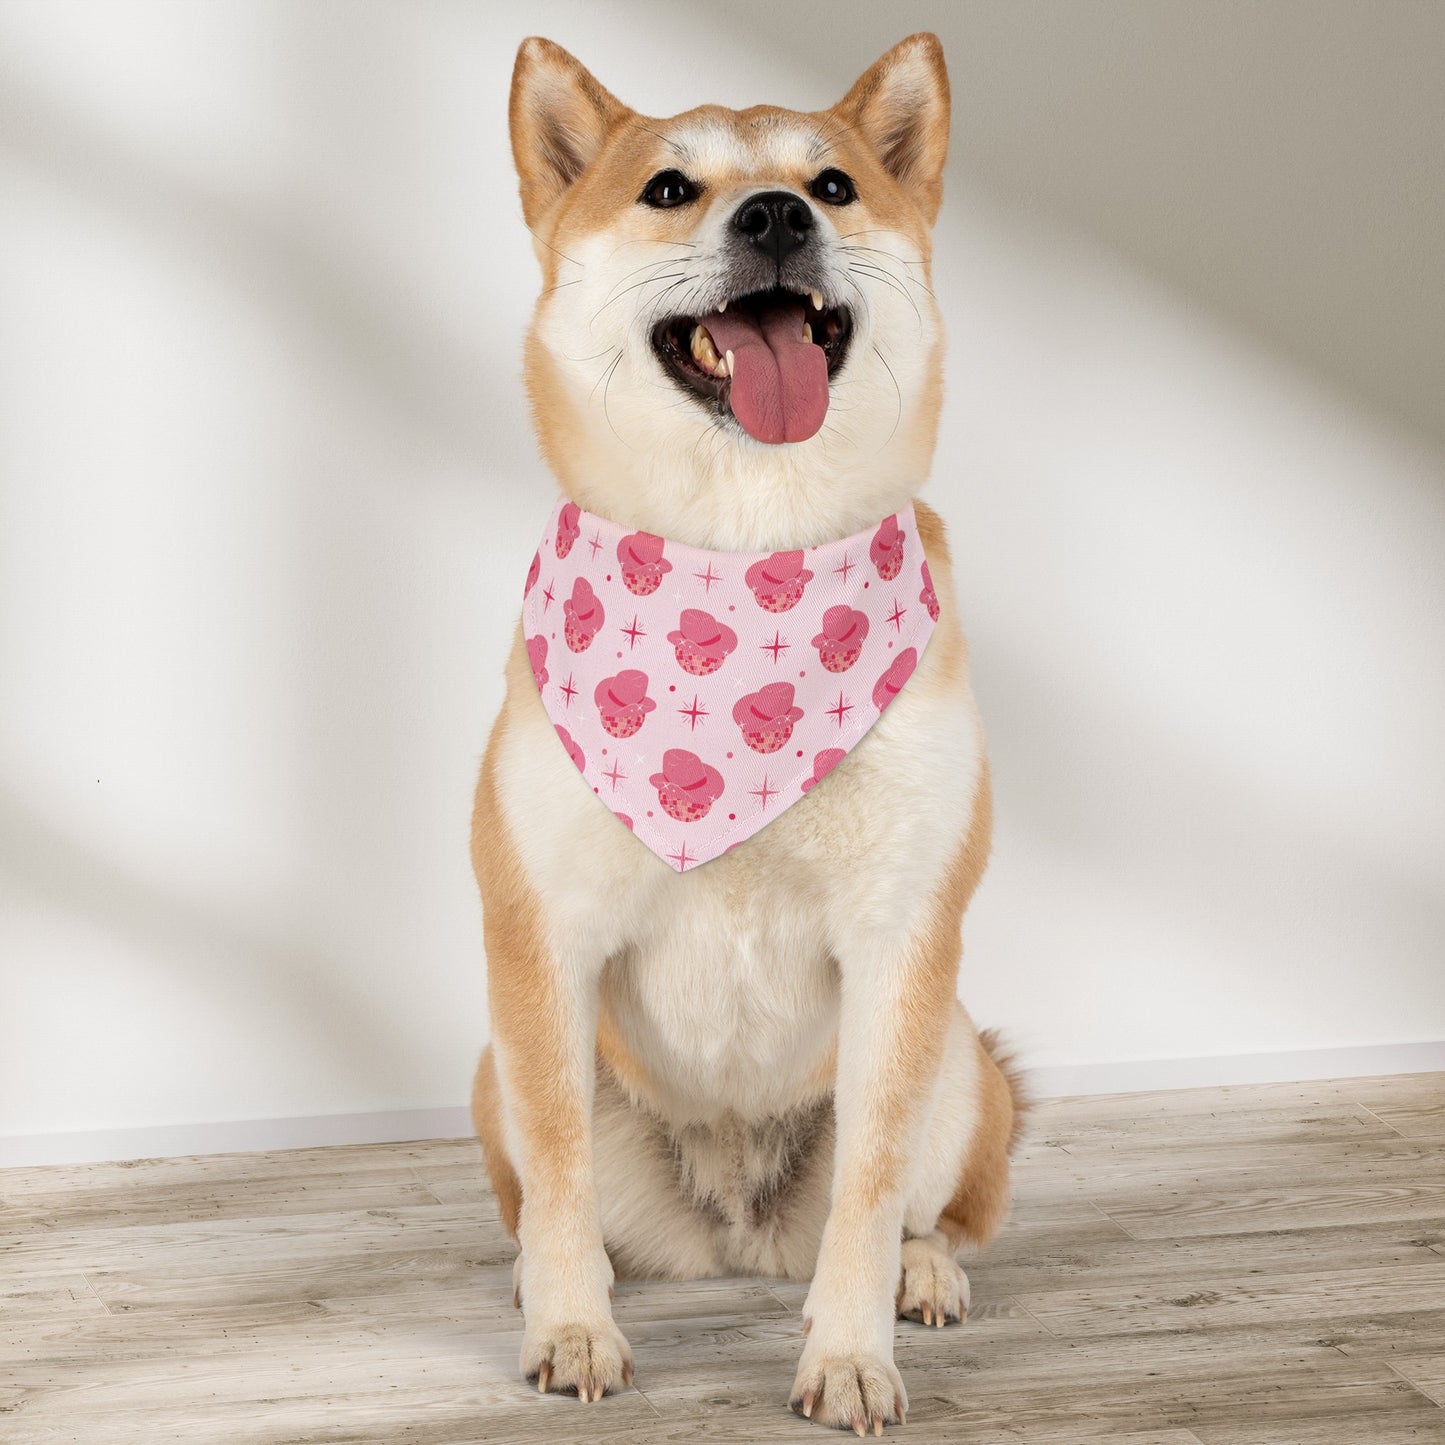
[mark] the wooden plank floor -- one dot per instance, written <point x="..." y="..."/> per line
<point x="1245" y="1266"/>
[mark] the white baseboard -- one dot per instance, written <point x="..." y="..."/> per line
<point x="234" y="1136"/>
<point x="1046" y="1081"/>
<point x="1053" y="1081"/>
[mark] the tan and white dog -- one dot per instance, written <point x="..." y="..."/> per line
<point x="759" y="1066"/>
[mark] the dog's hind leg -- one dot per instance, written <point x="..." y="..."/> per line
<point x="979" y="1204"/>
<point x="491" y="1130"/>
<point x="960" y="1191"/>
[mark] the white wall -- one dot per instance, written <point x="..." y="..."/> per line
<point x="267" y="494"/>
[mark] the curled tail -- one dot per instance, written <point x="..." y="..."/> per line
<point x="1005" y="1060"/>
<point x="981" y="1196"/>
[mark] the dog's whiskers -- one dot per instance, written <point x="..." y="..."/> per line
<point x="820" y="143"/>
<point x="617" y="295"/>
<point x="874" y="231"/>
<point x="538" y="239"/>
<point x="858" y="292"/>
<point x="655" y="265"/>
<point x="606" y="387"/>
<point x="579" y="360"/>
<point x="863" y="268"/>
<point x="887" y="257"/>
<point x="605" y="372"/>
<point x="686" y="304"/>
<point x="897" y="390"/>
<point x="650" y="241"/>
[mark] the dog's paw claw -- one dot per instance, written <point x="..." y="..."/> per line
<point x="850" y="1392"/>
<point x="933" y="1289"/>
<point x="588" y="1361"/>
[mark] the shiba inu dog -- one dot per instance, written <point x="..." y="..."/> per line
<point x="758" y="1065"/>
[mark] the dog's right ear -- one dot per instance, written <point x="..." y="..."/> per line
<point x="560" y="116"/>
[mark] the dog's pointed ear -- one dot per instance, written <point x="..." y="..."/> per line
<point x="560" y="116"/>
<point x="900" y="104"/>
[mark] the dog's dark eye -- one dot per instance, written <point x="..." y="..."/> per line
<point x="669" y="188"/>
<point x="833" y="188"/>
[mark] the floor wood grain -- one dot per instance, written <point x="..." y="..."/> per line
<point x="1245" y="1266"/>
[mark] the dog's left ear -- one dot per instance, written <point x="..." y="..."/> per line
<point x="900" y="104"/>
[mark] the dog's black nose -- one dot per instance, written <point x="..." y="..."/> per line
<point x="776" y="222"/>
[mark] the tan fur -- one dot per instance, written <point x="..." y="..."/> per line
<point x="759" y="1066"/>
<point x="521" y="989"/>
<point x="487" y="1120"/>
<point x="980" y="1202"/>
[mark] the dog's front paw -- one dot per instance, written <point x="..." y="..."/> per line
<point x="586" y="1360"/>
<point x="850" y="1390"/>
<point x="932" y="1288"/>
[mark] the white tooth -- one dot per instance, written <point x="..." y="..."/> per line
<point x="807" y="332"/>
<point x="729" y="363"/>
<point x="722" y="308"/>
<point x="817" y="299"/>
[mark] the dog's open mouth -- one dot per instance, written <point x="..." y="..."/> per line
<point x="766" y="357"/>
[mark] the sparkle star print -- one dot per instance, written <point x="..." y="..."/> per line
<point x="700" y="693"/>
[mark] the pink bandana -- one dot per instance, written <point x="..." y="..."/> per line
<point x="700" y="693"/>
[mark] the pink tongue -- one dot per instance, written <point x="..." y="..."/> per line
<point x="780" y="382"/>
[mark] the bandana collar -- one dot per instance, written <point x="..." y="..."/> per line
<point x="700" y="693"/>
